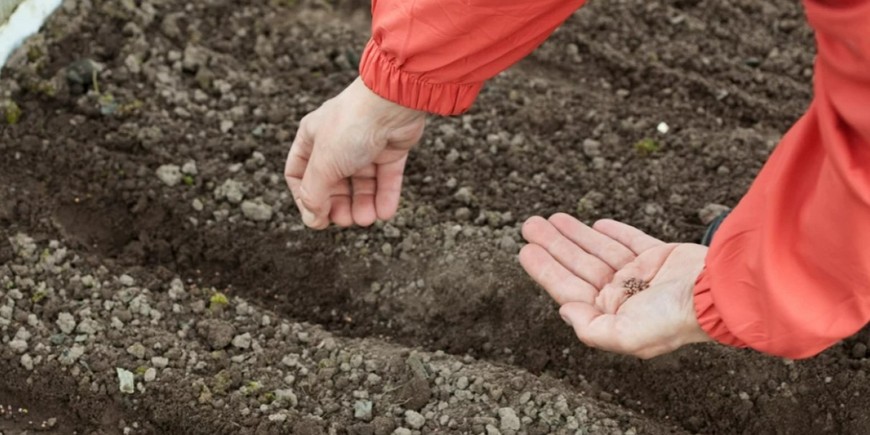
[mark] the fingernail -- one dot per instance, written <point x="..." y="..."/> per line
<point x="308" y="217"/>
<point x="565" y="319"/>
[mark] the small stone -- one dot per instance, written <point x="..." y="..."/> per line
<point x="859" y="350"/>
<point x="126" y="280"/>
<point x="711" y="211"/>
<point x="66" y="322"/>
<point x="492" y="430"/>
<point x="280" y="416"/>
<point x="160" y="362"/>
<point x="71" y="355"/>
<point x="402" y="431"/>
<point x="226" y="126"/>
<point x="136" y="349"/>
<point x="257" y="211"/>
<point x="462" y="383"/>
<point x="242" y="341"/>
<point x="414" y="419"/>
<point x="591" y="148"/>
<point x="508" y="244"/>
<point x="197" y="205"/>
<point x="170" y="175"/>
<point x="27" y="361"/>
<point x="509" y="419"/>
<point x="218" y="333"/>
<point x="150" y="374"/>
<point x="287" y="397"/>
<point x="189" y="168"/>
<point x="232" y="190"/>
<point x="19" y="346"/>
<point x="362" y="410"/>
<point x="464" y="195"/>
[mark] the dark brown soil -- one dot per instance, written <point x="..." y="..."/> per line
<point x="224" y="85"/>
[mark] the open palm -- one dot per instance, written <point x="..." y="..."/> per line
<point x="587" y="269"/>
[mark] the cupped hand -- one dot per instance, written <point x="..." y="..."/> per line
<point x="348" y="158"/>
<point x="587" y="270"/>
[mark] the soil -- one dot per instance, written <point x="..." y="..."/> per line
<point x="149" y="206"/>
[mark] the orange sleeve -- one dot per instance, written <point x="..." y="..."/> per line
<point x="788" y="272"/>
<point x="434" y="55"/>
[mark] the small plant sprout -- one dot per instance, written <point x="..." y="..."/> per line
<point x="647" y="146"/>
<point x="13" y="113"/>
<point x="218" y="300"/>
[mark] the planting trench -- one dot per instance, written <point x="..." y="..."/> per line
<point x="223" y="85"/>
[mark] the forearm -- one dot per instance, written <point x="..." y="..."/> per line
<point x="787" y="273"/>
<point x="435" y="55"/>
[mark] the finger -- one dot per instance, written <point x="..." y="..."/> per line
<point x="364" y="187"/>
<point x="613" y="253"/>
<point x="589" y="268"/>
<point x="294" y="168"/>
<point x="389" y="187"/>
<point x="562" y="285"/>
<point x="316" y="189"/>
<point x="340" y="210"/>
<point x="629" y="236"/>
<point x="643" y="269"/>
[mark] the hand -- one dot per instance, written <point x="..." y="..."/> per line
<point x="346" y="164"/>
<point x="585" y="270"/>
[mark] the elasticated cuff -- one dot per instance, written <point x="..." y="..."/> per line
<point x="708" y="317"/>
<point x="383" y="77"/>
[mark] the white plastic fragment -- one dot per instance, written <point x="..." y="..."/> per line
<point x="663" y="128"/>
<point x="125" y="381"/>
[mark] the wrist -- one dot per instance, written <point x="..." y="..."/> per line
<point x="388" y="113"/>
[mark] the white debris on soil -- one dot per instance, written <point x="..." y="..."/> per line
<point x="663" y="128"/>
<point x="170" y="175"/>
<point x="257" y="210"/>
<point x="125" y="381"/>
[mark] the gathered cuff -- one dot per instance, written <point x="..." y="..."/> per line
<point x="708" y="316"/>
<point x="383" y="77"/>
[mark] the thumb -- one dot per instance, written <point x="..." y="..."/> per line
<point x="315" y="193"/>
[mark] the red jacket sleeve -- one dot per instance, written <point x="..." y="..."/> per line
<point x="434" y="55"/>
<point x="789" y="270"/>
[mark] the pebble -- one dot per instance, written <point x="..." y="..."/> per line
<point x="414" y="419"/>
<point x="257" y="211"/>
<point x="126" y="280"/>
<point x="464" y="195"/>
<point x="136" y="349"/>
<point x="362" y="410"/>
<point x="197" y="205"/>
<point x="508" y="244"/>
<point x="219" y="333"/>
<point x="591" y="148"/>
<point x="6" y="312"/>
<point x="492" y="430"/>
<point x="66" y="322"/>
<point x="170" y="175"/>
<point x="160" y="361"/>
<point x="242" y="341"/>
<point x="71" y="355"/>
<point x="27" y="361"/>
<point x="150" y="374"/>
<point x="402" y="431"/>
<point x="189" y="168"/>
<point x="287" y="396"/>
<point x="232" y="190"/>
<point x="19" y="346"/>
<point x="462" y="383"/>
<point x="508" y="419"/>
